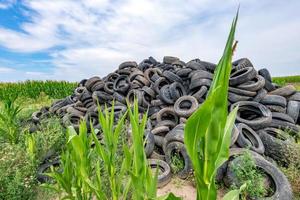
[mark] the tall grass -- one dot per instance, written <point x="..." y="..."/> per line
<point x="32" y="89"/>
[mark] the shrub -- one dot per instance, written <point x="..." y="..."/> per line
<point x="17" y="174"/>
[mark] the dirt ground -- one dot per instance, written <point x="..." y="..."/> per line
<point x="184" y="189"/>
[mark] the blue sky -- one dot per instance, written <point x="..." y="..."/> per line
<point x="76" y="39"/>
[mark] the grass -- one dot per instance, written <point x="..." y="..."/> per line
<point x="284" y="80"/>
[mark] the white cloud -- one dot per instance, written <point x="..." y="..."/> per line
<point x="5" y="4"/>
<point x="97" y="35"/>
<point x="6" y="70"/>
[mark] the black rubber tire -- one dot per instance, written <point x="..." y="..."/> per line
<point x="279" y="145"/>
<point x="160" y="130"/>
<point x="164" y="172"/>
<point x="199" y="83"/>
<point x="185" y="111"/>
<point x="121" y="84"/>
<point x="169" y="59"/>
<point x="233" y="98"/>
<point x="265" y="73"/>
<point x="198" y="94"/>
<point x="195" y="65"/>
<point x="260" y="95"/>
<point x="242" y="63"/>
<point x="248" y="138"/>
<point x="180" y="148"/>
<point x="284" y="125"/>
<point x="295" y="97"/>
<point x="274" y="100"/>
<point x="176" y="90"/>
<point x="242" y="76"/>
<point x="283" y="117"/>
<point x="175" y="135"/>
<point x="242" y="92"/>
<point x="149" y="143"/>
<point x="169" y="123"/>
<point x="171" y="115"/>
<point x="109" y="87"/>
<point x="269" y="86"/>
<point x="200" y="74"/>
<point x="165" y="95"/>
<point x="159" y="140"/>
<point x="284" y="91"/>
<point x="254" y="114"/>
<point x="293" y="110"/>
<point x="254" y="85"/>
<point x="281" y="185"/>
<point x="128" y="64"/>
<point x="234" y="135"/>
<point x="172" y="77"/>
<point x="91" y="82"/>
<point x="275" y="108"/>
<point x="41" y="177"/>
<point x="159" y="83"/>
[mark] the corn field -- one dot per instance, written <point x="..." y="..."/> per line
<point x="32" y="89"/>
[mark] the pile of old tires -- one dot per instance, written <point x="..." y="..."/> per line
<point x="172" y="90"/>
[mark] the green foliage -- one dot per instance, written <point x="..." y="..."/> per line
<point x="235" y="194"/>
<point x="31" y="147"/>
<point x="32" y="89"/>
<point x="107" y="153"/>
<point x="286" y="79"/>
<point x="17" y="175"/>
<point x="9" y="127"/>
<point x="292" y="172"/>
<point x="143" y="181"/>
<point x="246" y="172"/>
<point x="177" y="163"/>
<point x="208" y="130"/>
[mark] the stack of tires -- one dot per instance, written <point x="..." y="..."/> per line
<point x="172" y="90"/>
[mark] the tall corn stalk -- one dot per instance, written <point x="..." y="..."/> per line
<point x="208" y="130"/>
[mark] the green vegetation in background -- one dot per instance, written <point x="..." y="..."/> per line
<point x="284" y="80"/>
<point x="32" y="89"/>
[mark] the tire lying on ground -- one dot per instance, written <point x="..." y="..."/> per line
<point x="280" y="146"/>
<point x="41" y="176"/>
<point x="176" y="150"/>
<point x="280" y="187"/>
<point x="164" y="171"/>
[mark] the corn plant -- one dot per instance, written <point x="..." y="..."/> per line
<point x="31" y="147"/>
<point x="143" y="181"/>
<point x="107" y="153"/>
<point x="76" y="163"/>
<point x="208" y="130"/>
<point x="9" y="127"/>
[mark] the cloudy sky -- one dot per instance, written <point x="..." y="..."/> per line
<point x="75" y="39"/>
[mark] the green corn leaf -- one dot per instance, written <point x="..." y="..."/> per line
<point x="234" y="194"/>
<point x="169" y="196"/>
<point x="207" y="131"/>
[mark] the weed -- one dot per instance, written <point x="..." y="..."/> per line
<point x="17" y="174"/>
<point x="245" y="171"/>
<point x="177" y="162"/>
